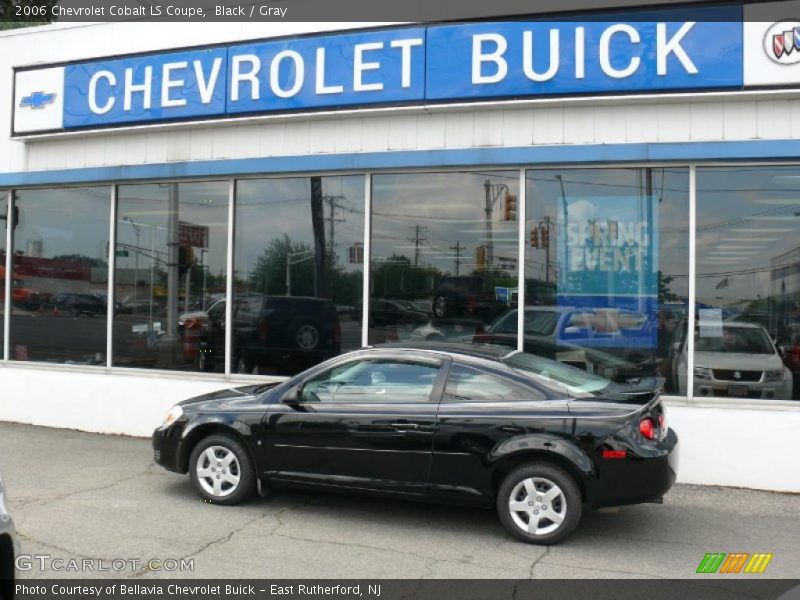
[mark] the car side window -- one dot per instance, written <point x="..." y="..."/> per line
<point x="465" y="384"/>
<point x="372" y="381"/>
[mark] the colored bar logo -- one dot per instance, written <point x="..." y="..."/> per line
<point x="735" y="562"/>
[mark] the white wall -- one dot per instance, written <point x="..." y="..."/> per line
<point x="97" y="401"/>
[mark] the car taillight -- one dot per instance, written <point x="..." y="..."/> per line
<point x="261" y="329"/>
<point x="647" y="428"/>
<point x="796" y="353"/>
<point x="614" y="453"/>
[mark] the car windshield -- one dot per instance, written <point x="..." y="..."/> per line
<point x="739" y="340"/>
<point x="570" y="377"/>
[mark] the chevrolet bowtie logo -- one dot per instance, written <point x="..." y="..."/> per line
<point x="37" y="100"/>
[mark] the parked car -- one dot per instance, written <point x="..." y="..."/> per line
<point x="21" y="296"/>
<point x="391" y="313"/>
<point x="76" y="304"/>
<point x="742" y="362"/>
<point x="287" y="332"/>
<point x="9" y="545"/>
<point x="611" y="344"/>
<point x="472" y="295"/>
<point x="480" y="425"/>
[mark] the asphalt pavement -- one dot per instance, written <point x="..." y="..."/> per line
<point x="94" y="498"/>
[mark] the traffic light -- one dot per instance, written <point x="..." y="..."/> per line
<point x="545" y="236"/>
<point x="535" y="237"/>
<point x="510" y="208"/>
<point x="480" y="258"/>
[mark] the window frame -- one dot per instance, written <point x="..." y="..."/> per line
<point x="692" y="165"/>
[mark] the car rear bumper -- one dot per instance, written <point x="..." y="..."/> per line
<point x="639" y="477"/>
<point x="166" y="448"/>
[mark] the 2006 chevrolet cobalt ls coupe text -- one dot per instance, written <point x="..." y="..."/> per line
<point x="454" y="423"/>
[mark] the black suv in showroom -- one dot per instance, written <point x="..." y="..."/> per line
<point x="285" y="333"/>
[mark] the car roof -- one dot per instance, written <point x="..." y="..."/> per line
<point x="486" y="351"/>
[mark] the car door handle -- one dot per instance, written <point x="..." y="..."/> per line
<point x="405" y="426"/>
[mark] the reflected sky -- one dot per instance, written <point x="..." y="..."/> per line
<point x="449" y="208"/>
<point x="748" y="219"/>
<point x="54" y="222"/>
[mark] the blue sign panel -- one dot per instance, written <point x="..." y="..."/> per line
<point x="540" y="58"/>
<point x="608" y="270"/>
<point x="642" y="51"/>
<point x="151" y="88"/>
<point x="340" y="70"/>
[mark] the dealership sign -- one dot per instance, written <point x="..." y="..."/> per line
<point x="645" y="51"/>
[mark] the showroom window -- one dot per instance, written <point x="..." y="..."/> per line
<point x="444" y="257"/>
<point x="170" y="275"/>
<point x="298" y="272"/>
<point x="606" y="270"/>
<point x="747" y="335"/>
<point x="3" y="234"/>
<point x="59" y="292"/>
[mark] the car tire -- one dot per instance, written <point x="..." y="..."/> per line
<point x="214" y="482"/>
<point x="306" y="336"/>
<point x="440" y="307"/>
<point x="242" y="364"/>
<point x="550" y="483"/>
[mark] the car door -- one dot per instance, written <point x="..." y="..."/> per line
<point x="481" y="409"/>
<point x="367" y="422"/>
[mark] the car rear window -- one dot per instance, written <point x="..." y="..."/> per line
<point x="738" y="340"/>
<point x="575" y="381"/>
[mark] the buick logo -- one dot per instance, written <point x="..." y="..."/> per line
<point x="737" y="375"/>
<point x="782" y="42"/>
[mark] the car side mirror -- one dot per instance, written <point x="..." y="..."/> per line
<point x="292" y="397"/>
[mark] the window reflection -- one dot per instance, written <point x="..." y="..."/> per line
<point x="747" y="341"/>
<point x="60" y="275"/>
<point x="607" y="269"/>
<point x="3" y="234"/>
<point x="444" y="256"/>
<point x="298" y="272"/>
<point x="170" y="272"/>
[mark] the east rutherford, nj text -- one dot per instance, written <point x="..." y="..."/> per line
<point x="327" y="590"/>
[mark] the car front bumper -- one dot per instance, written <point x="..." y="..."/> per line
<point x="167" y="446"/>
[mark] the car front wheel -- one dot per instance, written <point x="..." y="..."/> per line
<point x="539" y="503"/>
<point x="222" y="471"/>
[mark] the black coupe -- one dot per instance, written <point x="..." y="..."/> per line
<point x="475" y="424"/>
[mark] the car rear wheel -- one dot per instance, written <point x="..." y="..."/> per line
<point x="440" y="307"/>
<point x="222" y="471"/>
<point x="539" y="503"/>
<point x="306" y="337"/>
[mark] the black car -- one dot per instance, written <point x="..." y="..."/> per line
<point x="446" y="422"/>
<point x="471" y="295"/>
<point x="76" y="304"/>
<point x="287" y="332"/>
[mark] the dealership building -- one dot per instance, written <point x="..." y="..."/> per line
<point x="214" y="204"/>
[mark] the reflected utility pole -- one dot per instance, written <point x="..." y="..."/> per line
<point x="493" y="191"/>
<point x="418" y="229"/>
<point x="458" y="248"/>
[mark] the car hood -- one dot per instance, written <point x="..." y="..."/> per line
<point x="228" y="397"/>
<point x="737" y="361"/>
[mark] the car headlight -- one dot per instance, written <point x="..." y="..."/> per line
<point x="774" y="375"/>
<point x="173" y="415"/>
<point x="702" y="373"/>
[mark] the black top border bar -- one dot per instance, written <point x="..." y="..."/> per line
<point x="343" y="11"/>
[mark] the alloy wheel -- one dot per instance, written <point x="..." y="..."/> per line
<point x="218" y="471"/>
<point x="307" y="337"/>
<point x="537" y="506"/>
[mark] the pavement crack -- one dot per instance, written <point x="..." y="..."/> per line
<point x="537" y="561"/>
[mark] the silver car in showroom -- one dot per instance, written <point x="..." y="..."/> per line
<point x="9" y="545"/>
<point x="743" y="362"/>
